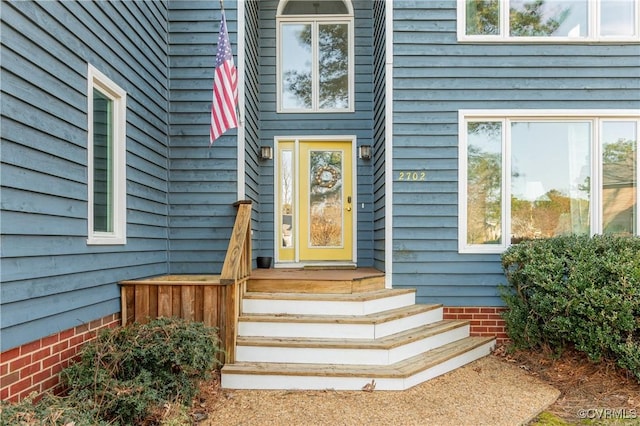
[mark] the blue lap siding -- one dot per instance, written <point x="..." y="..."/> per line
<point x="51" y="279"/>
<point x="180" y="190"/>
<point x="435" y="76"/>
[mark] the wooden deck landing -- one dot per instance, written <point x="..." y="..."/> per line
<point x="338" y="281"/>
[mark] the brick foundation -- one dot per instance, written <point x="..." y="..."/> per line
<point x="485" y="321"/>
<point x="34" y="366"/>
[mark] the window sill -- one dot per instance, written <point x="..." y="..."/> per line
<point x="106" y="240"/>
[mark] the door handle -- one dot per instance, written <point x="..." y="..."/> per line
<point x="348" y="203"/>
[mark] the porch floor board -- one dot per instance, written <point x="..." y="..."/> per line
<point x="300" y="280"/>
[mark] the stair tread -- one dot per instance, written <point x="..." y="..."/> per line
<point x="401" y="369"/>
<point x="386" y="342"/>
<point x="373" y="318"/>
<point x="342" y="297"/>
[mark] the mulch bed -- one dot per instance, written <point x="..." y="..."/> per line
<point x="587" y="389"/>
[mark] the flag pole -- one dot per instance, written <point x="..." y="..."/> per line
<point x="222" y="5"/>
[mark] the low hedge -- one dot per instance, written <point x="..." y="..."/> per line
<point x="576" y="290"/>
<point x="127" y="376"/>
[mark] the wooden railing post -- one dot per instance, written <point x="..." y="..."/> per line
<point x="235" y="271"/>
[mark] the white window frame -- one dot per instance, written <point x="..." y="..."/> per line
<point x="506" y="117"/>
<point x="593" y="35"/>
<point x="97" y="80"/>
<point x="315" y="21"/>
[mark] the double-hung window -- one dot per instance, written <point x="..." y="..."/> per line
<point x="548" y="20"/>
<point x="532" y="174"/>
<point x="315" y="56"/>
<point x="106" y="160"/>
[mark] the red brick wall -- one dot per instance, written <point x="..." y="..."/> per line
<point x="485" y="321"/>
<point x="34" y="367"/>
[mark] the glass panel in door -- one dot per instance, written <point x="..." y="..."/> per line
<point x="286" y="237"/>
<point x="326" y="216"/>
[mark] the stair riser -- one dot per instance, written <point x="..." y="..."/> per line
<point x="337" y="331"/>
<point x="449" y="365"/>
<point x="407" y="323"/>
<point x="312" y="330"/>
<point x="348" y="356"/>
<point x="250" y="381"/>
<point x="325" y="307"/>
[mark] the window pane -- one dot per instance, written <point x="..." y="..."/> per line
<point x="333" y="66"/>
<point x="484" y="183"/>
<point x="550" y="179"/>
<point x="326" y="212"/>
<point x="102" y="163"/>
<point x="619" y="177"/>
<point x="617" y="17"/>
<point x="483" y="17"/>
<point x="296" y="66"/>
<point x="286" y="197"/>
<point x="560" y="18"/>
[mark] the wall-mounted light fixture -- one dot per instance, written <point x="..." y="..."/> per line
<point x="364" y="152"/>
<point x="266" y="153"/>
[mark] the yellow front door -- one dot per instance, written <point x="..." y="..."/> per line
<point x="315" y="200"/>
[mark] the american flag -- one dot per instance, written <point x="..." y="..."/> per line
<point x="225" y="88"/>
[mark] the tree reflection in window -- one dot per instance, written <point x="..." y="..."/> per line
<point x="333" y="66"/>
<point x="527" y="18"/>
<point x="332" y="42"/>
<point x="484" y="186"/>
<point x="286" y="197"/>
<point x="296" y="65"/>
<point x="315" y="56"/>
<point x="543" y="18"/>
<point x="619" y="184"/>
<point x="483" y="17"/>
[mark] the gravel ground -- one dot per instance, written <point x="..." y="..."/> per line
<point x="486" y="392"/>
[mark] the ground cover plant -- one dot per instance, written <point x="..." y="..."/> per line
<point x="138" y="374"/>
<point x="576" y="292"/>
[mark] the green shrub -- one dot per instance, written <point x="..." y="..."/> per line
<point x="126" y="375"/>
<point x="127" y="371"/>
<point x="576" y="290"/>
<point x="50" y="410"/>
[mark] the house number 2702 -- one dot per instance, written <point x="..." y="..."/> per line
<point x="412" y="175"/>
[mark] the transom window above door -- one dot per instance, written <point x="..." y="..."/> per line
<point x="315" y="56"/>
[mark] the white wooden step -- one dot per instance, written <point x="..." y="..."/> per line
<point x="370" y="326"/>
<point x="399" y="376"/>
<point x="327" y="304"/>
<point x="383" y="351"/>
